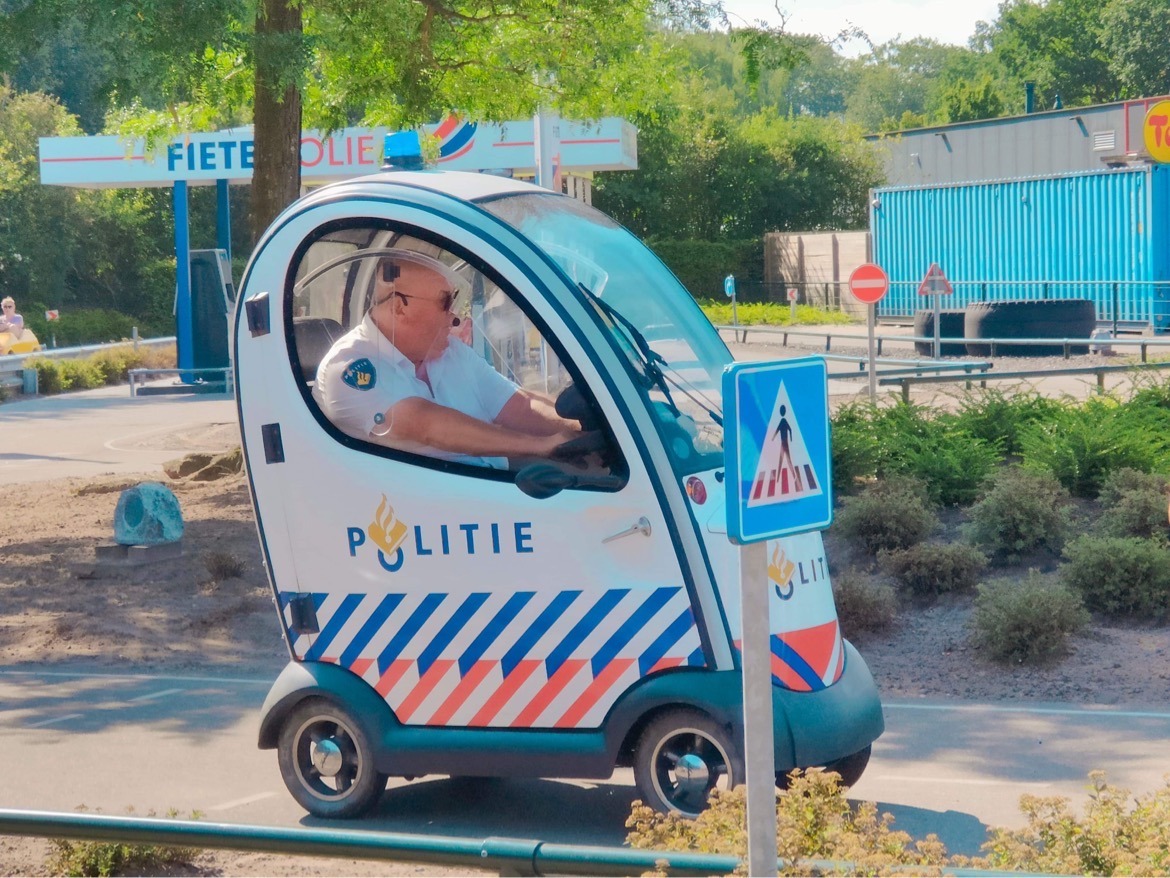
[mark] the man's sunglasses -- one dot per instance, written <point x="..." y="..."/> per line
<point x="445" y="303"/>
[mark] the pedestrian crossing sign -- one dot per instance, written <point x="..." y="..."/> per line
<point x="779" y="474"/>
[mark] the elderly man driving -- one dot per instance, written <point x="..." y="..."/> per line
<point x="401" y="379"/>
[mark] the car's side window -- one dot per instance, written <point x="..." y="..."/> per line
<point x="408" y="346"/>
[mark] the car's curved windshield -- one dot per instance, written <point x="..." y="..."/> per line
<point x="670" y="345"/>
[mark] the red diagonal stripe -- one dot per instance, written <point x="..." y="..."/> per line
<point x="787" y="676"/>
<point x="547" y="693"/>
<point x="393" y="674"/>
<point x="456" y="699"/>
<point x="419" y="693"/>
<point x="503" y="695"/>
<point x="360" y="666"/>
<point x="600" y="685"/>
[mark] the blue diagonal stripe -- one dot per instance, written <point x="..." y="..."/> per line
<point x="447" y="633"/>
<point x="637" y="621"/>
<point x="583" y="629"/>
<point x="409" y="628"/>
<point x="536" y="630"/>
<point x="324" y="640"/>
<point x="374" y="624"/>
<point x="791" y="658"/>
<point x="696" y="659"/>
<point x="493" y="629"/>
<point x="668" y="638"/>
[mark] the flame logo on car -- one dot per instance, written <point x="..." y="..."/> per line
<point x="386" y="531"/>
<point x="780" y="571"/>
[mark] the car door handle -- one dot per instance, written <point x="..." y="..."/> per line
<point x="641" y="526"/>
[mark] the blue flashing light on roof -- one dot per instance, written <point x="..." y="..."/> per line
<point x="402" y="152"/>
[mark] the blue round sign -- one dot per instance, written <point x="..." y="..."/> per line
<point x="729" y="285"/>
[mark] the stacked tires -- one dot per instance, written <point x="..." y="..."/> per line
<point x="1026" y="318"/>
<point x="1065" y="318"/>
<point x="950" y="325"/>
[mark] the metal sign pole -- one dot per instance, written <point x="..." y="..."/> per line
<point x="759" y="758"/>
<point x="934" y="294"/>
<point x="871" y="322"/>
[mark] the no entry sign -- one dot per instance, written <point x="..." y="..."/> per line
<point x="868" y="283"/>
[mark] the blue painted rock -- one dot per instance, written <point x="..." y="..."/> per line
<point x="147" y="515"/>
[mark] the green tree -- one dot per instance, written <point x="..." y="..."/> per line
<point x="393" y="62"/>
<point x="966" y="101"/>
<point x="1136" y="37"/>
<point x="69" y="248"/>
<point x="1058" y="46"/>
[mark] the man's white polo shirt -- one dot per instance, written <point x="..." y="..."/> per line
<point x="363" y="375"/>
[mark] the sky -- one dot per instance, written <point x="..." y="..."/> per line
<point x="947" y="21"/>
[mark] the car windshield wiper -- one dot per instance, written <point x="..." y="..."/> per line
<point x="652" y="361"/>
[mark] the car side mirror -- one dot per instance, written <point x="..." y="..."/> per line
<point x="543" y="480"/>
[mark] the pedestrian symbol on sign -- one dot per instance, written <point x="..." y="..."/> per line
<point x="785" y="471"/>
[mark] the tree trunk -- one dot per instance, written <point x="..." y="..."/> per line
<point x="276" y="172"/>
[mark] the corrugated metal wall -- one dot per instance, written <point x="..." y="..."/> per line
<point x="1069" y="236"/>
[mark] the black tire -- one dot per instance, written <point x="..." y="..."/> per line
<point x="681" y="757"/>
<point x="950" y="325"/>
<point x="1046" y="318"/>
<point x="851" y="768"/>
<point x="327" y="762"/>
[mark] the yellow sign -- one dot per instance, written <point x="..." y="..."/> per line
<point x="1157" y="131"/>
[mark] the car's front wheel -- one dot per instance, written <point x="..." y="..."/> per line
<point x="327" y="762"/>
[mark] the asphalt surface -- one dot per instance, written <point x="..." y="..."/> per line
<point x="156" y="742"/>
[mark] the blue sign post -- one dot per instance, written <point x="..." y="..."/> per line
<point x="779" y="482"/>
<point x="779" y="474"/>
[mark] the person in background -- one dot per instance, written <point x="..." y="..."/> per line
<point x="10" y="321"/>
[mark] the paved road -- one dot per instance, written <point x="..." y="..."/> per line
<point x="106" y="431"/>
<point x="189" y="742"/>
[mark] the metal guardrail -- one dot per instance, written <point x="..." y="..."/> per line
<point x="994" y="344"/>
<point x="907" y="381"/>
<point x="12" y="366"/>
<point x="508" y="856"/>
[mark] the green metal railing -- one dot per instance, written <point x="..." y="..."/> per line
<point x="507" y="856"/>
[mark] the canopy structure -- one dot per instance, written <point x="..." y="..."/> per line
<point x="558" y="153"/>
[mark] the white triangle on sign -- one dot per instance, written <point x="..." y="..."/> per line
<point x="935" y="283"/>
<point x="785" y="471"/>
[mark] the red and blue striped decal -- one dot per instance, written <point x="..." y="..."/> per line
<point x="514" y="660"/>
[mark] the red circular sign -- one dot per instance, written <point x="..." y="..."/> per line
<point x="868" y="283"/>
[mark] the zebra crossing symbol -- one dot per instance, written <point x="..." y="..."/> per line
<point x="785" y="471"/>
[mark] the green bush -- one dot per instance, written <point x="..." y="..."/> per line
<point x="768" y="314"/>
<point x="1081" y="445"/>
<point x="109" y="366"/>
<point x="1000" y="418"/>
<point x="701" y="264"/>
<point x="101" y="858"/>
<point x="1026" y="622"/>
<point x="1117" y="835"/>
<point x="931" y="446"/>
<point x="854" y="447"/>
<point x="891" y="513"/>
<point x="1020" y="512"/>
<point x="951" y="462"/>
<point x="935" y="568"/>
<point x="1134" y="505"/>
<point x="814" y="821"/>
<point x="1120" y="575"/>
<point x="862" y="604"/>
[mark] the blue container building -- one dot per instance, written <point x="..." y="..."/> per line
<point x="1100" y="235"/>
